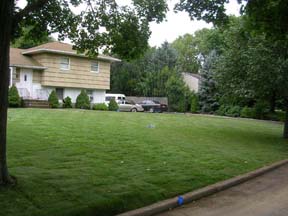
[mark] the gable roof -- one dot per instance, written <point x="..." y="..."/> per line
<point x="62" y="48"/>
<point x="19" y="60"/>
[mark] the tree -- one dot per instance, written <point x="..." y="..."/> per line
<point x="126" y="28"/>
<point x="186" y="48"/>
<point x="14" y="98"/>
<point x="28" y="39"/>
<point x="53" y="99"/>
<point x="83" y="100"/>
<point x="208" y="94"/>
<point x="267" y="17"/>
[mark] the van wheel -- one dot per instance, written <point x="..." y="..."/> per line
<point x="134" y="110"/>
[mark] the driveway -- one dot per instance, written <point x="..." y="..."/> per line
<point x="266" y="195"/>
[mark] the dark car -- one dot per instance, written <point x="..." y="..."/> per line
<point x="153" y="106"/>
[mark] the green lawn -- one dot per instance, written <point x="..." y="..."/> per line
<point x="74" y="162"/>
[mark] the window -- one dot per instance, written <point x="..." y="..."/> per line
<point x="65" y="63"/>
<point x="94" y="67"/>
<point x="59" y="92"/>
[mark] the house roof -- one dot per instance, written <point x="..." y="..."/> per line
<point x="193" y="75"/>
<point x="19" y="60"/>
<point x="62" y="48"/>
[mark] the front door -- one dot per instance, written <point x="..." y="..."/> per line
<point x="26" y="82"/>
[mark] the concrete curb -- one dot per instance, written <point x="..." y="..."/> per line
<point x="203" y="192"/>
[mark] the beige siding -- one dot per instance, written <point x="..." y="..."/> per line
<point x="16" y="76"/>
<point x="78" y="76"/>
<point x="37" y="76"/>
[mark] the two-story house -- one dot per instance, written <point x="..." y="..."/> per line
<point x="38" y="70"/>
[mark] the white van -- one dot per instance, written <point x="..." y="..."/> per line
<point x="119" y="98"/>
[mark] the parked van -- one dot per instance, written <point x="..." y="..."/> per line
<point x="119" y="98"/>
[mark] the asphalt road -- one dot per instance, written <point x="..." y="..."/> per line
<point x="266" y="195"/>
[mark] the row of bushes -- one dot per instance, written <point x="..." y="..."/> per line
<point x="82" y="101"/>
<point x="258" y="111"/>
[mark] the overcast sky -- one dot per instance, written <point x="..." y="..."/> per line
<point x="177" y="24"/>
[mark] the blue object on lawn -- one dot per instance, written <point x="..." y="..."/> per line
<point x="180" y="201"/>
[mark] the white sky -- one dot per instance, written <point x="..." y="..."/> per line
<point x="177" y="24"/>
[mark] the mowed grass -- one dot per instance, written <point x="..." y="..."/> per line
<point x="74" y="162"/>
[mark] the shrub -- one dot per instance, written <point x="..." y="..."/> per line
<point x="113" y="106"/>
<point x="222" y="110"/>
<point x="247" y="112"/>
<point x="101" y="106"/>
<point x="233" y="111"/>
<point x="67" y="102"/>
<point x="261" y="109"/>
<point x="14" y="99"/>
<point x="53" y="100"/>
<point x="194" y="103"/>
<point x="276" y="116"/>
<point x="82" y="100"/>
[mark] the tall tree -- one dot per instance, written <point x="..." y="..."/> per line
<point x="28" y="39"/>
<point x="126" y="32"/>
<point x="268" y="17"/>
<point x="208" y="95"/>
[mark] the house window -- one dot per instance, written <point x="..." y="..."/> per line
<point x="65" y="63"/>
<point x="59" y="92"/>
<point x="94" y="66"/>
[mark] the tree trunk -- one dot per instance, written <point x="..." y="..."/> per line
<point x="6" y="11"/>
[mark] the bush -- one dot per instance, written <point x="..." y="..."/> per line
<point x="247" y="112"/>
<point x="194" y="103"/>
<point x="233" y="111"/>
<point x="14" y="99"/>
<point x="113" y="106"/>
<point x="276" y="116"/>
<point x="53" y="100"/>
<point x="67" y="102"/>
<point x="82" y="100"/>
<point x="101" y="106"/>
<point x="261" y="109"/>
<point x="222" y="110"/>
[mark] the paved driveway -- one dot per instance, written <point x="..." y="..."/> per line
<point x="266" y="195"/>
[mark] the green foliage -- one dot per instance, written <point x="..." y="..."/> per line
<point x="67" y="102"/>
<point x="113" y="106"/>
<point x="82" y="100"/>
<point x="229" y="110"/>
<point x="261" y="109"/>
<point x="194" y="103"/>
<point x="100" y="106"/>
<point x="177" y="94"/>
<point x="233" y="111"/>
<point x="276" y="116"/>
<point x="147" y="75"/>
<point x="53" y="100"/>
<point x="127" y="26"/>
<point x="208" y="94"/>
<point x="14" y="99"/>
<point x="247" y="112"/>
<point x="27" y="38"/>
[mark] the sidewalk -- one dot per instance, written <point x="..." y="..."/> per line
<point x="266" y="195"/>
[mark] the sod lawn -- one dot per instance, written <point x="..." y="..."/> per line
<point x="75" y="162"/>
